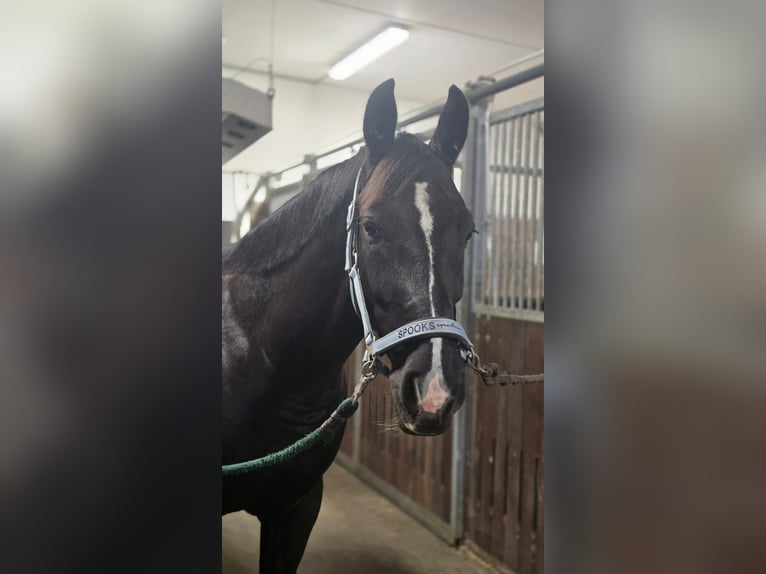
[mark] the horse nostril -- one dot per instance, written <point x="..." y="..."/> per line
<point x="410" y="392"/>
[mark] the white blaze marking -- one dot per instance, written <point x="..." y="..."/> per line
<point x="427" y="225"/>
<point x="435" y="394"/>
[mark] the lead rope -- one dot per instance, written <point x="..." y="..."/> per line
<point x="490" y="373"/>
<point x="325" y="433"/>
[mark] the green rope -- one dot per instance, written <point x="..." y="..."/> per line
<point x="324" y="433"/>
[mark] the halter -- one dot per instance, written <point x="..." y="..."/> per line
<point x="419" y="329"/>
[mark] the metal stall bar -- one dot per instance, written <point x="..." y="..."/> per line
<point x="508" y="221"/>
<point x="474" y="184"/>
<point x="541" y="237"/>
<point x="524" y="217"/>
<point x="502" y="269"/>
<point x="489" y="225"/>
<point x="514" y="217"/>
<point x="534" y="297"/>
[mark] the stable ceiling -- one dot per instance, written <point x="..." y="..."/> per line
<point x="452" y="41"/>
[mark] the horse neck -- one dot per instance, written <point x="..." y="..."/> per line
<point x="321" y="322"/>
<point x="313" y="322"/>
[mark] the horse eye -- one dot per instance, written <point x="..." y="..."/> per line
<point x="370" y="228"/>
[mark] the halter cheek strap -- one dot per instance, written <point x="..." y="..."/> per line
<point x="355" y="281"/>
<point x="419" y="329"/>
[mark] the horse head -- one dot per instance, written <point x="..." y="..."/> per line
<point x="413" y="227"/>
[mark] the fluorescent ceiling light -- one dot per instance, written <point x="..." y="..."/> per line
<point x="387" y="40"/>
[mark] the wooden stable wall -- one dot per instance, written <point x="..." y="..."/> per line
<point x="350" y="369"/>
<point x="504" y="514"/>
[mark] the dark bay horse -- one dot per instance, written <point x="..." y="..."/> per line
<point x="289" y="324"/>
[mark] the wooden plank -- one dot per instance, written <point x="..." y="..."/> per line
<point x="473" y="500"/>
<point x="479" y="529"/>
<point x="540" y="514"/>
<point x="485" y="404"/>
<point x="429" y="499"/>
<point x="531" y="440"/>
<point x="347" y="445"/>
<point x="485" y="443"/>
<point x="532" y="448"/>
<point x="495" y="346"/>
<point x="445" y="480"/>
<point x="367" y="400"/>
<point x="445" y="483"/>
<point x="500" y="347"/>
<point x="437" y="482"/>
<point x="402" y="474"/>
<point x="473" y="470"/>
<point x="417" y="493"/>
<point x="535" y="363"/>
<point x="514" y="438"/>
<point x="387" y="470"/>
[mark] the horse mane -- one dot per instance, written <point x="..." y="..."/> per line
<point x="283" y="235"/>
<point x="402" y="165"/>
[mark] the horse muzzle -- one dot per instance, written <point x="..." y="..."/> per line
<point x="426" y="398"/>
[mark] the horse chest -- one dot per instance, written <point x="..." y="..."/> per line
<point x="276" y="421"/>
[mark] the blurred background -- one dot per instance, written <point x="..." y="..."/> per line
<point x="655" y="343"/>
<point x="109" y="423"/>
<point x="109" y="262"/>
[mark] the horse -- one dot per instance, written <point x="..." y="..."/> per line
<point x="289" y="323"/>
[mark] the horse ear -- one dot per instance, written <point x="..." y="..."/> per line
<point x="380" y="120"/>
<point x="449" y="137"/>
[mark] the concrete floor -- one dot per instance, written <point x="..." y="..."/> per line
<point x="358" y="532"/>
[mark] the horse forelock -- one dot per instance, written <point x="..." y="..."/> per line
<point x="409" y="160"/>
